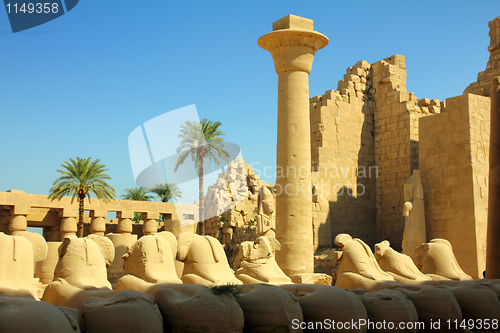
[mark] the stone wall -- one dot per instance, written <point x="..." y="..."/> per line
<point x="342" y="149"/>
<point x="454" y="168"/>
<point x="396" y="142"/>
<point x="364" y="146"/>
<point x="233" y="199"/>
<point x="483" y="84"/>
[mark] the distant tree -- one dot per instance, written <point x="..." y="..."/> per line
<point x="80" y="178"/>
<point x="201" y="141"/>
<point x="166" y="192"/>
<point x="137" y="194"/>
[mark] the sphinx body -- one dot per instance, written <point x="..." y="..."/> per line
<point x="438" y="261"/>
<point x="357" y="265"/>
<point x="255" y="262"/>
<point x="400" y="266"/>
<point x="204" y="261"/>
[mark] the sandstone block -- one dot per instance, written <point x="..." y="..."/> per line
<point x="312" y="278"/>
<point x="268" y="308"/>
<point x="197" y="308"/>
<point x="127" y="311"/>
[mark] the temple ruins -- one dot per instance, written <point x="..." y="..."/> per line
<point x="398" y="223"/>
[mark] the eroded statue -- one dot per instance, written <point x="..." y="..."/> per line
<point x="17" y="256"/>
<point x="266" y="218"/>
<point x="255" y="262"/>
<point x="80" y="271"/>
<point x="357" y="265"/>
<point x="438" y="261"/>
<point x="413" y="211"/>
<point x="149" y="260"/>
<point x="400" y="266"/>
<point x="204" y="260"/>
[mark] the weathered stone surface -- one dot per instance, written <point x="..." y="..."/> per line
<point x="121" y="242"/>
<point x="268" y="308"/>
<point x="38" y="244"/>
<point x="476" y="301"/>
<point x="82" y="261"/>
<point x="20" y="314"/>
<point x="313" y="278"/>
<point x="44" y="269"/>
<point x="399" y="265"/>
<point x="438" y="261"/>
<point x="195" y="308"/>
<point x="390" y="306"/>
<point x="293" y="53"/>
<point x="151" y="258"/>
<point x="127" y="311"/>
<point x="414" y="214"/>
<point x="16" y="265"/>
<point x="256" y="264"/>
<point x="320" y="303"/>
<point x="433" y="304"/>
<point x="357" y="265"/>
<point x="204" y="261"/>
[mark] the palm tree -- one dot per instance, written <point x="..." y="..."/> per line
<point x="166" y="192"/>
<point x="201" y="141"/>
<point x="137" y="194"/>
<point x="80" y="178"/>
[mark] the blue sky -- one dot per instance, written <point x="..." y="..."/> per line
<point x="79" y="85"/>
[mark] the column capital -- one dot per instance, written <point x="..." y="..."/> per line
<point x="293" y="44"/>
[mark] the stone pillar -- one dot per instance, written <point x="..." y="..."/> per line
<point x="493" y="238"/>
<point x="151" y="224"/>
<point x="69" y="226"/>
<point x="293" y="44"/>
<point x="18" y="223"/>
<point x="124" y="226"/>
<point x="98" y="223"/>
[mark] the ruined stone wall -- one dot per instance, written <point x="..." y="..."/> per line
<point x="364" y="146"/>
<point x="233" y="199"/>
<point x="483" y="84"/>
<point x="342" y="150"/>
<point x="454" y="168"/>
<point x="396" y="117"/>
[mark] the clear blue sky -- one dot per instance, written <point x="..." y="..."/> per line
<point x="79" y="85"/>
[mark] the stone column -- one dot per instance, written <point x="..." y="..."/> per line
<point x="493" y="238"/>
<point x="293" y="44"/>
<point x="98" y="222"/>
<point x="69" y="226"/>
<point x="151" y="224"/>
<point x="18" y="223"/>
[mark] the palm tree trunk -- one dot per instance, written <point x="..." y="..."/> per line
<point x="201" y="224"/>
<point x="79" y="232"/>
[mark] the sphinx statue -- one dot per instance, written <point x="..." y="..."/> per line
<point x="266" y="219"/>
<point x="357" y="265"/>
<point x="438" y="261"/>
<point x="413" y="211"/>
<point x="204" y="261"/>
<point x="400" y="266"/>
<point x="18" y="255"/>
<point x="81" y="271"/>
<point x="255" y="262"/>
<point x="150" y="260"/>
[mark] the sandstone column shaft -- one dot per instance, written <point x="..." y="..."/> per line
<point x="293" y="44"/>
<point x="293" y="179"/>
<point x="493" y="238"/>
